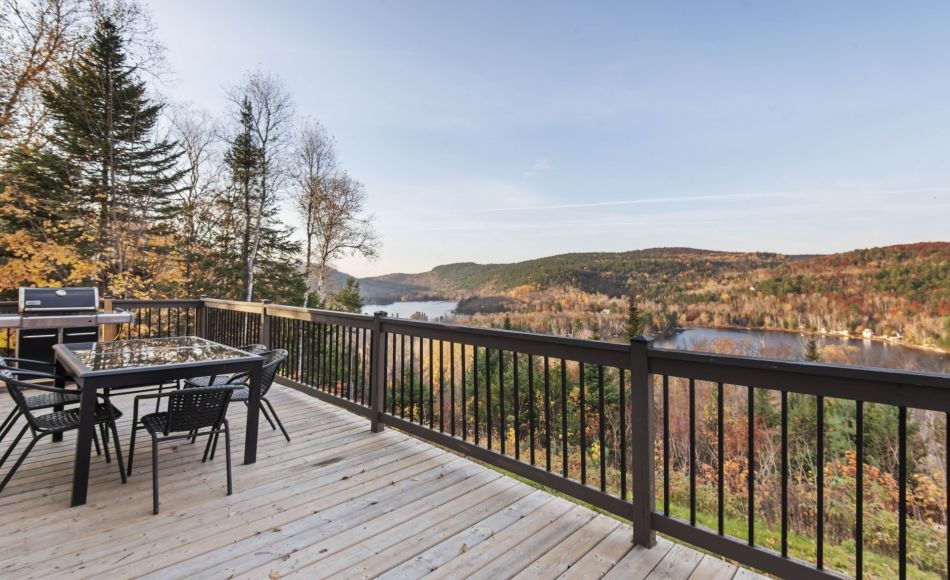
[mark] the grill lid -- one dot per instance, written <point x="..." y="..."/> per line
<point x="58" y="299"/>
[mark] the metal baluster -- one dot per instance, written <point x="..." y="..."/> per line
<point x="488" y="407"/>
<point x="531" y="411"/>
<point x="547" y="414"/>
<point x="501" y="401"/>
<point x="475" y="385"/>
<point x="666" y="445"/>
<point x="721" y="450"/>
<point x="564" y="464"/>
<point x="442" y="386"/>
<point x="582" y="423"/>
<point x="784" y="474"/>
<point x="393" y="399"/>
<point x="517" y="409"/>
<point x="601" y="400"/>
<point x="859" y="489"/>
<point x="692" y="452"/>
<point x="902" y="491"/>
<point x="464" y="395"/>
<point x="751" y="461"/>
<point x="820" y="476"/>
<point x="452" y="386"/>
<point x="402" y="395"/>
<point x="431" y="364"/>
<point x="623" y="435"/>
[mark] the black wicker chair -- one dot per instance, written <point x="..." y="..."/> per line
<point x="55" y="422"/>
<point x="272" y="361"/>
<point x="37" y="402"/>
<point x="253" y="348"/>
<point x="258" y="349"/>
<point x="189" y="412"/>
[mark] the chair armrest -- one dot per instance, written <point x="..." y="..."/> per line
<point x="135" y="408"/>
<point x="239" y="378"/>
<point x="36" y="374"/>
<point x="29" y="361"/>
<point x="56" y="390"/>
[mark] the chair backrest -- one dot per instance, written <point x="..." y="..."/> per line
<point x="254" y="348"/>
<point x="15" y="387"/>
<point x="197" y="408"/>
<point x="272" y="361"/>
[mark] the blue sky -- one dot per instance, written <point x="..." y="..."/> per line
<point x="500" y="131"/>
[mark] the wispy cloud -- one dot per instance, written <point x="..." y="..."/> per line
<point x="540" y="165"/>
<point x="654" y="200"/>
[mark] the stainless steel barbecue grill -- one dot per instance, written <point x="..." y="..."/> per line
<point x="49" y="316"/>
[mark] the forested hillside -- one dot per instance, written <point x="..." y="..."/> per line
<point x="894" y="291"/>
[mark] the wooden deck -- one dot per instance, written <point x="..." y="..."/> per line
<point x="336" y="501"/>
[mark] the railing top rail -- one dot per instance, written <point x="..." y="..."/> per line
<point x="587" y="351"/>
<point x="157" y="302"/>
<point x="891" y="387"/>
<point x="864" y="374"/>
<point x="325" y="316"/>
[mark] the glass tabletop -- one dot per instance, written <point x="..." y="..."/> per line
<point x="146" y="352"/>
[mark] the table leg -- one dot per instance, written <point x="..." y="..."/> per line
<point x="60" y="383"/>
<point x="87" y="422"/>
<point x="253" y="414"/>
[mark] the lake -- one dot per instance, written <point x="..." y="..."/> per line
<point x="433" y="309"/>
<point x="791" y="346"/>
<point x="758" y="343"/>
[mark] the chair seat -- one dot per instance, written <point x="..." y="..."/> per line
<point x="219" y="380"/>
<point x="155" y="422"/>
<point x="241" y="394"/>
<point x="69" y="419"/>
<point x="47" y="400"/>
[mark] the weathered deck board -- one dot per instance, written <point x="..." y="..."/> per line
<point x="335" y="501"/>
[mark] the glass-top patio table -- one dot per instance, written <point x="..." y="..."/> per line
<point x="121" y="364"/>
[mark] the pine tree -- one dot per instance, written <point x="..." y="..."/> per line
<point x="243" y="161"/>
<point x="811" y="351"/>
<point x="110" y="172"/>
<point x="276" y="271"/>
<point x="633" y="325"/>
<point x="348" y="298"/>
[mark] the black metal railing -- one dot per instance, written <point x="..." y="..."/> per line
<point x="746" y="458"/>
<point x="155" y="318"/>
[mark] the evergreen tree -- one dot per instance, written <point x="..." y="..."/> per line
<point x="243" y="162"/>
<point x="507" y="323"/>
<point x="348" y="298"/>
<point x="633" y="325"/>
<point x="276" y="271"/>
<point x="811" y="351"/>
<point x="108" y="171"/>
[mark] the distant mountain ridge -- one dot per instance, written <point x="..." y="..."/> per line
<point x="611" y="273"/>
<point x="899" y="290"/>
<point x="660" y="271"/>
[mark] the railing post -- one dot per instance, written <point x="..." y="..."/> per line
<point x="642" y="432"/>
<point x="377" y="373"/>
<point x="265" y="324"/>
<point x="202" y="318"/>
<point x="109" y="331"/>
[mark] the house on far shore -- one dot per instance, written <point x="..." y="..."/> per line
<point x="868" y="333"/>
